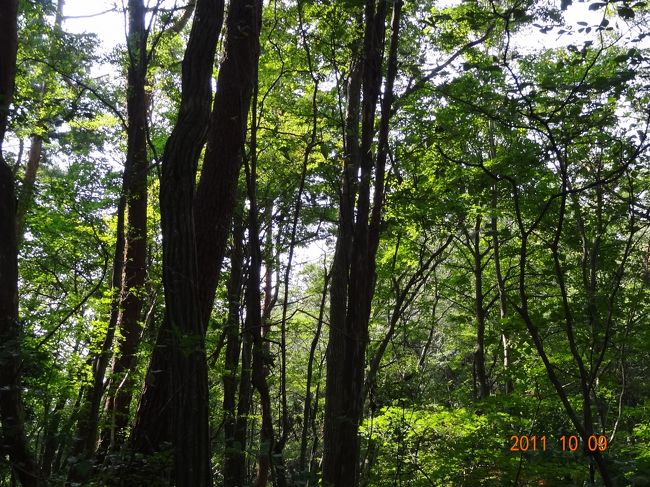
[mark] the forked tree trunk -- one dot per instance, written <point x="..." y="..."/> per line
<point x="232" y="449"/>
<point x="217" y="189"/>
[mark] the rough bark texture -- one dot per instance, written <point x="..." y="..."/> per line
<point x="134" y="189"/>
<point x="353" y="273"/>
<point x="87" y="426"/>
<point x="217" y="188"/>
<point x="14" y="440"/>
<point x="177" y="375"/>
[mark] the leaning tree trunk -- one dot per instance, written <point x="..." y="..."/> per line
<point x="14" y="439"/>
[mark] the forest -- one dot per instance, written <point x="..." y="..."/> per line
<point x="335" y="243"/>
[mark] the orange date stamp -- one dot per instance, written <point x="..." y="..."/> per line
<point x="570" y="443"/>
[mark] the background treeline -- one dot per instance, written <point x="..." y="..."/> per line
<point x="340" y="243"/>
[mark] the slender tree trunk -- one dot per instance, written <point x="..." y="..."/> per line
<point x="254" y="317"/>
<point x="279" y="446"/>
<point x="134" y="189"/>
<point x="232" y="449"/>
<point x="353" y="273"/>
<point x="88" y="418"/>
<point x="479" y="309"/>
<point x="307" y="411"/>
<point x="403" y="299"/>
<point x="501" y="289"/>
<point x="35" y="152"/>
<point x="15" y="442"/>
<point x="238" y="460"/>
<point x="51" y="436"/>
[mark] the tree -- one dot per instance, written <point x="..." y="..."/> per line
<point x="353" y="271"/>
<point x="13" y="430"/>
<point x="212" y="213"/>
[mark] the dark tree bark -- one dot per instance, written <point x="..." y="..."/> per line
<point x="237" y="462"/>
<point x="217" y="189"/>
<point x="353" y="273"/>
<point x="182" y="382"/>
<point x="134" y="189"/>
<point x="14" y="439"/>
<point x="35" y="152"/>
<point x="129" y="266"/>
<point x="214" y="200"/>
<point x="256" y="326"/>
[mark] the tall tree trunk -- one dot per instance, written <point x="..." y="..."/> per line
<point x="279" y="446"/>
<point x="353" y="273"/>
<point x="158" y="419"/>
<point x="501" y="288"/>
<point x="35" y="151"/>
<point x="233" y="347"/>
<point x="134" y="189"/>
<point x="14" y="439"/>
<point x="214" y="201"/>
<point x="186" y="375"/>
<point x="255" y="323"/>
<point x="217" y="188"/>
